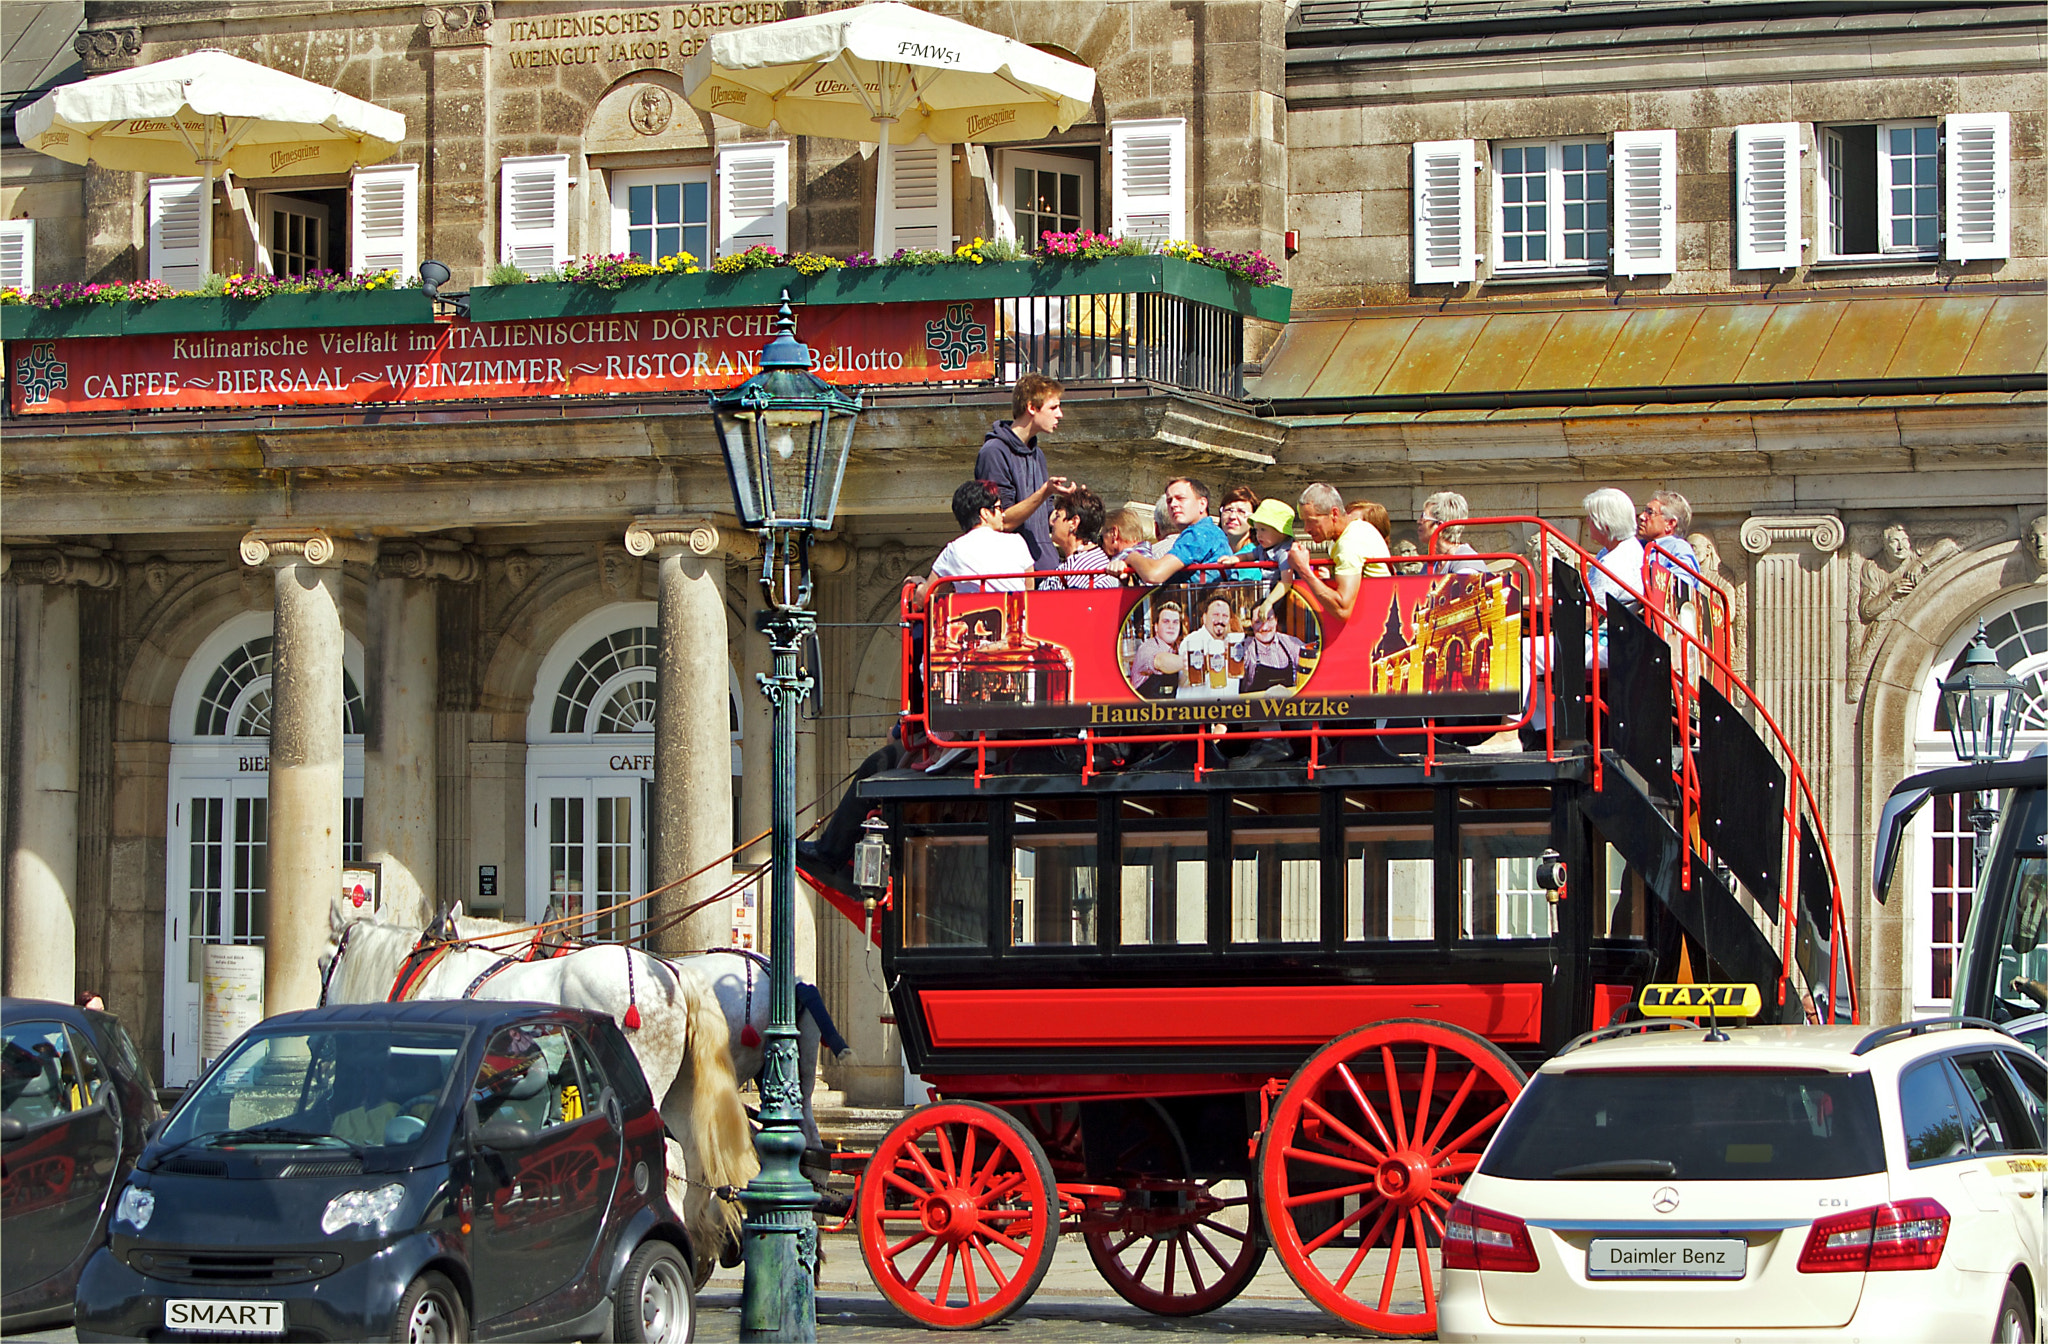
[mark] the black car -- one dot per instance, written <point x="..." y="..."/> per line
<point x="78" y="1105"/>
<point x="412" y="1171"/>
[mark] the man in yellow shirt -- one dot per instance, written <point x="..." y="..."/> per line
<point x="1357" y="549"/>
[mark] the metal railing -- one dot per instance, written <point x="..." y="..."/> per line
<point x="1133" y="338"/>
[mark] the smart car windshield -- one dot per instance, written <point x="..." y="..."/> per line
<point x="1689" y="1124"/>
<point x="357" y="1087"/>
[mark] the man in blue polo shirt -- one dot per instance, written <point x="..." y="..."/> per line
<point x="1199" y="542"/>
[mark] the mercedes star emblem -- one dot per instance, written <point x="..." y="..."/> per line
<point x="1665" y="1200"/>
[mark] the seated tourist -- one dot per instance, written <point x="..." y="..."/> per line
<point x="1076" y="527"/>
<point x="1611" y="528"/>
<point x="1661" y="525"/>
<point x="1443" y="535"/>
<point x="983" y="548"/>
<point x="1124" y="530"/>
<point x="1358" y="548"/>
<point x="1273" y="544"/>
<point x="1198" y="542"/>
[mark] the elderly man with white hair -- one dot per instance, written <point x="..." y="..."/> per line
<point x="1441" y="524"/>
<point x="1611" y="526"/>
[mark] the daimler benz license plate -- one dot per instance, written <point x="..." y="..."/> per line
<point x="1667" y="1258"/>
<point x="224" y="1318"/>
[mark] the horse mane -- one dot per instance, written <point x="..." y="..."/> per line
<point x="375" y="952"/>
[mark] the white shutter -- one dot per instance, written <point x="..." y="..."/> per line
<point x="1767" y="219"/>
<point x="18" y="254"/>
<point x="1978" y="169"/>
<point x="1445" y="238"/>
<point x="533" y="223"/>
<point x="1148" y="193"/>
<point x="753" y="196"/>
<point x="176" y="214"/>
<point x="918" y="204"/>
<point x="1645" y="202"/>
<point x="384" y="216"/>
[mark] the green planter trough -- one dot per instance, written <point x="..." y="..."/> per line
<point x="363" y="308"/>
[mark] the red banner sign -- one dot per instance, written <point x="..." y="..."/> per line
<point x="1147" y="659"/>
<point x="462" y="361"/>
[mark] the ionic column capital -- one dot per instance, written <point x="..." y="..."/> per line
<point x="689" y="536"/>
<point x="1822" y="531"/>
<point x="418" y="560"/>
<point x="303" y="546"/>
<point x="80" y="568"/>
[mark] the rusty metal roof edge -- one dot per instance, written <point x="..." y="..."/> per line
<point x="1477" y="306"/>
<point x="1691" y="395"/>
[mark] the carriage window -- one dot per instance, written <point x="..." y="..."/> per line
<point x="1165" y="888"/>
<point x="1276" y="884"/>
<point x="945" y="899"/>
<point x="1626" y="899"/>
<point x="1389" y="882"/>
<point x="1498" y="878"/>
<point x="1052" y="890"/>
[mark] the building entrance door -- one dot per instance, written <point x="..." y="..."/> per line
<point x="588" y="844"/>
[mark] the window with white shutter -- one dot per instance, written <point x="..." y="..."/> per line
<point x="1550" y="206"/>
<point x="661" y="212"/>
<point x="1445" y="241"/>
<point x="1979" y="163"/>
<point x="753" y="196"/>
<point x="533" y="223"/>
<point x="1148" y="182"/>
<point x="1767" y="221"/>
<point x="384" y="215"/>
<point x="18" y="254"/>
<point x="917" y="209"/>
<point x="1645" y="202"/>
<point x="176" y="214"/>
<point x="1880" y="191"/>
<point x="1038" y="194"/>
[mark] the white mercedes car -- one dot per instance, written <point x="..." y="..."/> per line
<point x="1766" y="1183"/>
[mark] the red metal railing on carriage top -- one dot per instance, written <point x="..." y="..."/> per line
<point x="1697" y="633"/>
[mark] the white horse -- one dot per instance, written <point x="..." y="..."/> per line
<point x="681" y="1044"/>
<point x="741" y="981"/>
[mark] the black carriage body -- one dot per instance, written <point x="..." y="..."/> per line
<point x="1371" y="893"/>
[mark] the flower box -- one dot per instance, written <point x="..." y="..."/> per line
<point x="359" y="308"/>
<point x="883" y="284"/>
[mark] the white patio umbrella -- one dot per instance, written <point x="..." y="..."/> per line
<point x="888" y="73"/>
<point x="205" y="112"/>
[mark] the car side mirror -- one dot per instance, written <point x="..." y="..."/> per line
<point x="156" y="1129"/>
<point x="11" y="1128"/>
<point x="505" y="1136"/>
<point x="608" y="1102"/>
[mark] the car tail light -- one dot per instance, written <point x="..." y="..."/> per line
<point x="1905" y="1235"/>
<point x="1477" y="1238"/>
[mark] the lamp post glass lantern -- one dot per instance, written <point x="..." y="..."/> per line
<point x="785" y="433"/>
<point x="1981" y="701"/>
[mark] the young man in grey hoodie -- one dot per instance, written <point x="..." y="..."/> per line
<point x="1011" y="461"/>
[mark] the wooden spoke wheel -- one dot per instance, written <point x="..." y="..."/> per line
<point x="1362" y="1157"/>
<point x="1173" y="1246"/>
<point x="958" y="1215"/>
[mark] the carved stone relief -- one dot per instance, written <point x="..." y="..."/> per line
<point x="467" y="25"/>
<point x="104" y="49"/>
<point x="1891" y="564"/>
<point x="2035" y="542"/>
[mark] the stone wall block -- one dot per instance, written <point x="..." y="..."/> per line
<point x="1335" y="214"/>
<point x="1325" y="128"/>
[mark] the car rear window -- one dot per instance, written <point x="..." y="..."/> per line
<point x="1689" y="1124"/>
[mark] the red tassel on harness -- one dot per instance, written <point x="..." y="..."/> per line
<point x="749" y="1037"/>
<point x="632" y="1018"/>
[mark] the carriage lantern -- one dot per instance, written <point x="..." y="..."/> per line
<point x="871" y="861"/>
<point x="1981" y="700"/>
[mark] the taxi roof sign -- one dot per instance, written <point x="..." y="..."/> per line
<point x="1700" y="1001"/>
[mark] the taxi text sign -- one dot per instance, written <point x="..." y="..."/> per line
<point x="465" y="361"/>
<point x="1149" y="660"/>
<point x="1700" y="1001"/>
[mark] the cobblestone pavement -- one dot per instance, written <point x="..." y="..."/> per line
<point x="1073" y="1304"/>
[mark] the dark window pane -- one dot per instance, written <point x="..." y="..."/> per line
<point x="1932" y="1120"/>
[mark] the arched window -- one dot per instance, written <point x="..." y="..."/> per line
<point x="236" y="701"/>
<point x="1944" y="874"/>
<point x="609" y="690"/>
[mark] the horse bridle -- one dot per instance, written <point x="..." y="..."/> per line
<point x="340" y="945"/>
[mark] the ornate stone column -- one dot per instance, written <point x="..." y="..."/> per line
<point x="400" y="742"/>
<point x="305" y="753"/>
<point x="1798" y="605"/>
<point x="691" y="824"/>
<point x="42" y="858"/>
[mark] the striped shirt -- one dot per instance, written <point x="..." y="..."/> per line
<point x="1090" y="561"/>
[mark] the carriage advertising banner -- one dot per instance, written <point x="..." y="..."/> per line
<point x="464" y="361"/>
<point x="1145" y="659"/>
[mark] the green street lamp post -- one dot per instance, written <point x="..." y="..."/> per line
<point x="1981" y="701"/>
<point x="785" y="433"/>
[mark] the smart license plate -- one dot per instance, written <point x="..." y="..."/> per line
<point x="224" y="1318"/>
<point x="1667" y="1258"/>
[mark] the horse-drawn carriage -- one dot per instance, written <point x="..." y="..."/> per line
<point x="1196" y="1015"/>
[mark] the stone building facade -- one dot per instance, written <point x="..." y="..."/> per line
<point x="489" y="581"/>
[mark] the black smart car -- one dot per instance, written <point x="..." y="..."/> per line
<point x="78" y="1105"/>
<point x="413" y="1171"/>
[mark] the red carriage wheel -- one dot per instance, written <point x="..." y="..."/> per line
<point x="1182" y="1247"/>
<point x="1364" y="1153"/>
<point x="958" y="1215"/>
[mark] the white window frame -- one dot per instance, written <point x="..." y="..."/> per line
<point x="1169" y="205"/>
<point x="1008" y="161"/>
<point x="1444" y="224"/>
<point x="269" y="204"/>
<point x="623" y="180"/>
<point x="1554" y="204"/>
<point x="771" y="227"/>
<point x="18" y="236"/>
<point x="1829" y="211"/>
<point x="403" y="250"/>
<point x="523" y="246"/>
